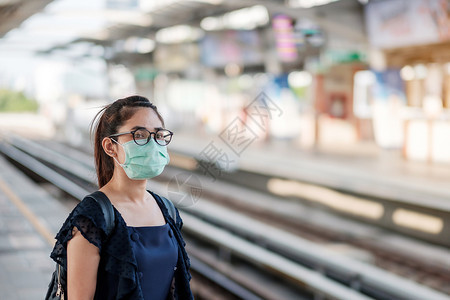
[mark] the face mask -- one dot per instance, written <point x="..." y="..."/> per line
<point x="144" y="162"/>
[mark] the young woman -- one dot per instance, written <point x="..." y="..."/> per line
<point x="144" y="256"/>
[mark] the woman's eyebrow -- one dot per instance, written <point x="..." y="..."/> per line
<point x="142" y="127"/>
<point x="137" y="127"/>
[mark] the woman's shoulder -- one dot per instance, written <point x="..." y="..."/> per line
<point x="87" y="214"/>
<point x="88" y="218"/>
<point x="88" y="207"/>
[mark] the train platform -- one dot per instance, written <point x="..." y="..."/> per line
<point x="376" y="186"/>
<point x="29" y="220"/>
<point x="364" y="169"/>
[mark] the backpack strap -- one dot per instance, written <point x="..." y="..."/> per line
<point x="170" y="207"/>
<point x="107" y="209"/>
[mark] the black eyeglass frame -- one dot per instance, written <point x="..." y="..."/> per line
<point x="149" y="136"/>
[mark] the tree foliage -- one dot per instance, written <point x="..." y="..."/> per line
<point x="13" y="101"/>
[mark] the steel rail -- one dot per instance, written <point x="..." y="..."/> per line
<point x="43" y="171"/>
<point x="369" y="279"/>
<point x="270" y="261"/>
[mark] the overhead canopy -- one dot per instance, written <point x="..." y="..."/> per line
<point x="163" y="14"/>
<point x="14" y="12"/>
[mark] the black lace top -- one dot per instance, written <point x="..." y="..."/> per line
<point x="117" y="259"/>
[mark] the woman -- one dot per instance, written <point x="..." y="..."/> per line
<point x="144" y="256"/>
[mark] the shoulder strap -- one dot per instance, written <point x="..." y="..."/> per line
<point x="170" y="207"/>
<point x="107" y="209"/>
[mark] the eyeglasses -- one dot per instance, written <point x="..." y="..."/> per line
<point x="141" y="136"/>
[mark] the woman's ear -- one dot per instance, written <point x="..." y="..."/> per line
<point x="109" y="147"/>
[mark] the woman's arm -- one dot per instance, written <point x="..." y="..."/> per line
<point x="82" y="265"/>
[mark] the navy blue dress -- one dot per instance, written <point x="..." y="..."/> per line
<point x="156" y="254"/>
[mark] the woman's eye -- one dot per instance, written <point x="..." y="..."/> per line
<point x="140" y="134"/>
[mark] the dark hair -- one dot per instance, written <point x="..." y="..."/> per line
<point x="106" y="122"/>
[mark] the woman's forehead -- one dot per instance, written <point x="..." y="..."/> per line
<point x="143" y="117"/>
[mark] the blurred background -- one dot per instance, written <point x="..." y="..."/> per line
<point x="348" y="75"/>
<point x="336" y="110"/>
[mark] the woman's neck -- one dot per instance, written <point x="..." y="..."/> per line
<point x="126" y="189"/>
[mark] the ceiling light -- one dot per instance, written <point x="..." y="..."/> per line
<point x="152" y="5"/>
<point x="308" y="3"/>
<point x="179" y="34"/>
<point x="139" y="45"/>
<point x="242" y="19"/>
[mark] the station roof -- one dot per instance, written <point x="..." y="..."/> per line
<point x="14" y="12"/>
<point x="112" y="25"/>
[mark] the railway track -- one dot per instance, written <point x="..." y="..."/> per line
<point x="352" y="279"/>
<point x="387" y="201"/>
<point x="432" y="274"/>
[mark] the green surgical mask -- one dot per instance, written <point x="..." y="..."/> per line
<point x="144" y="162"/>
